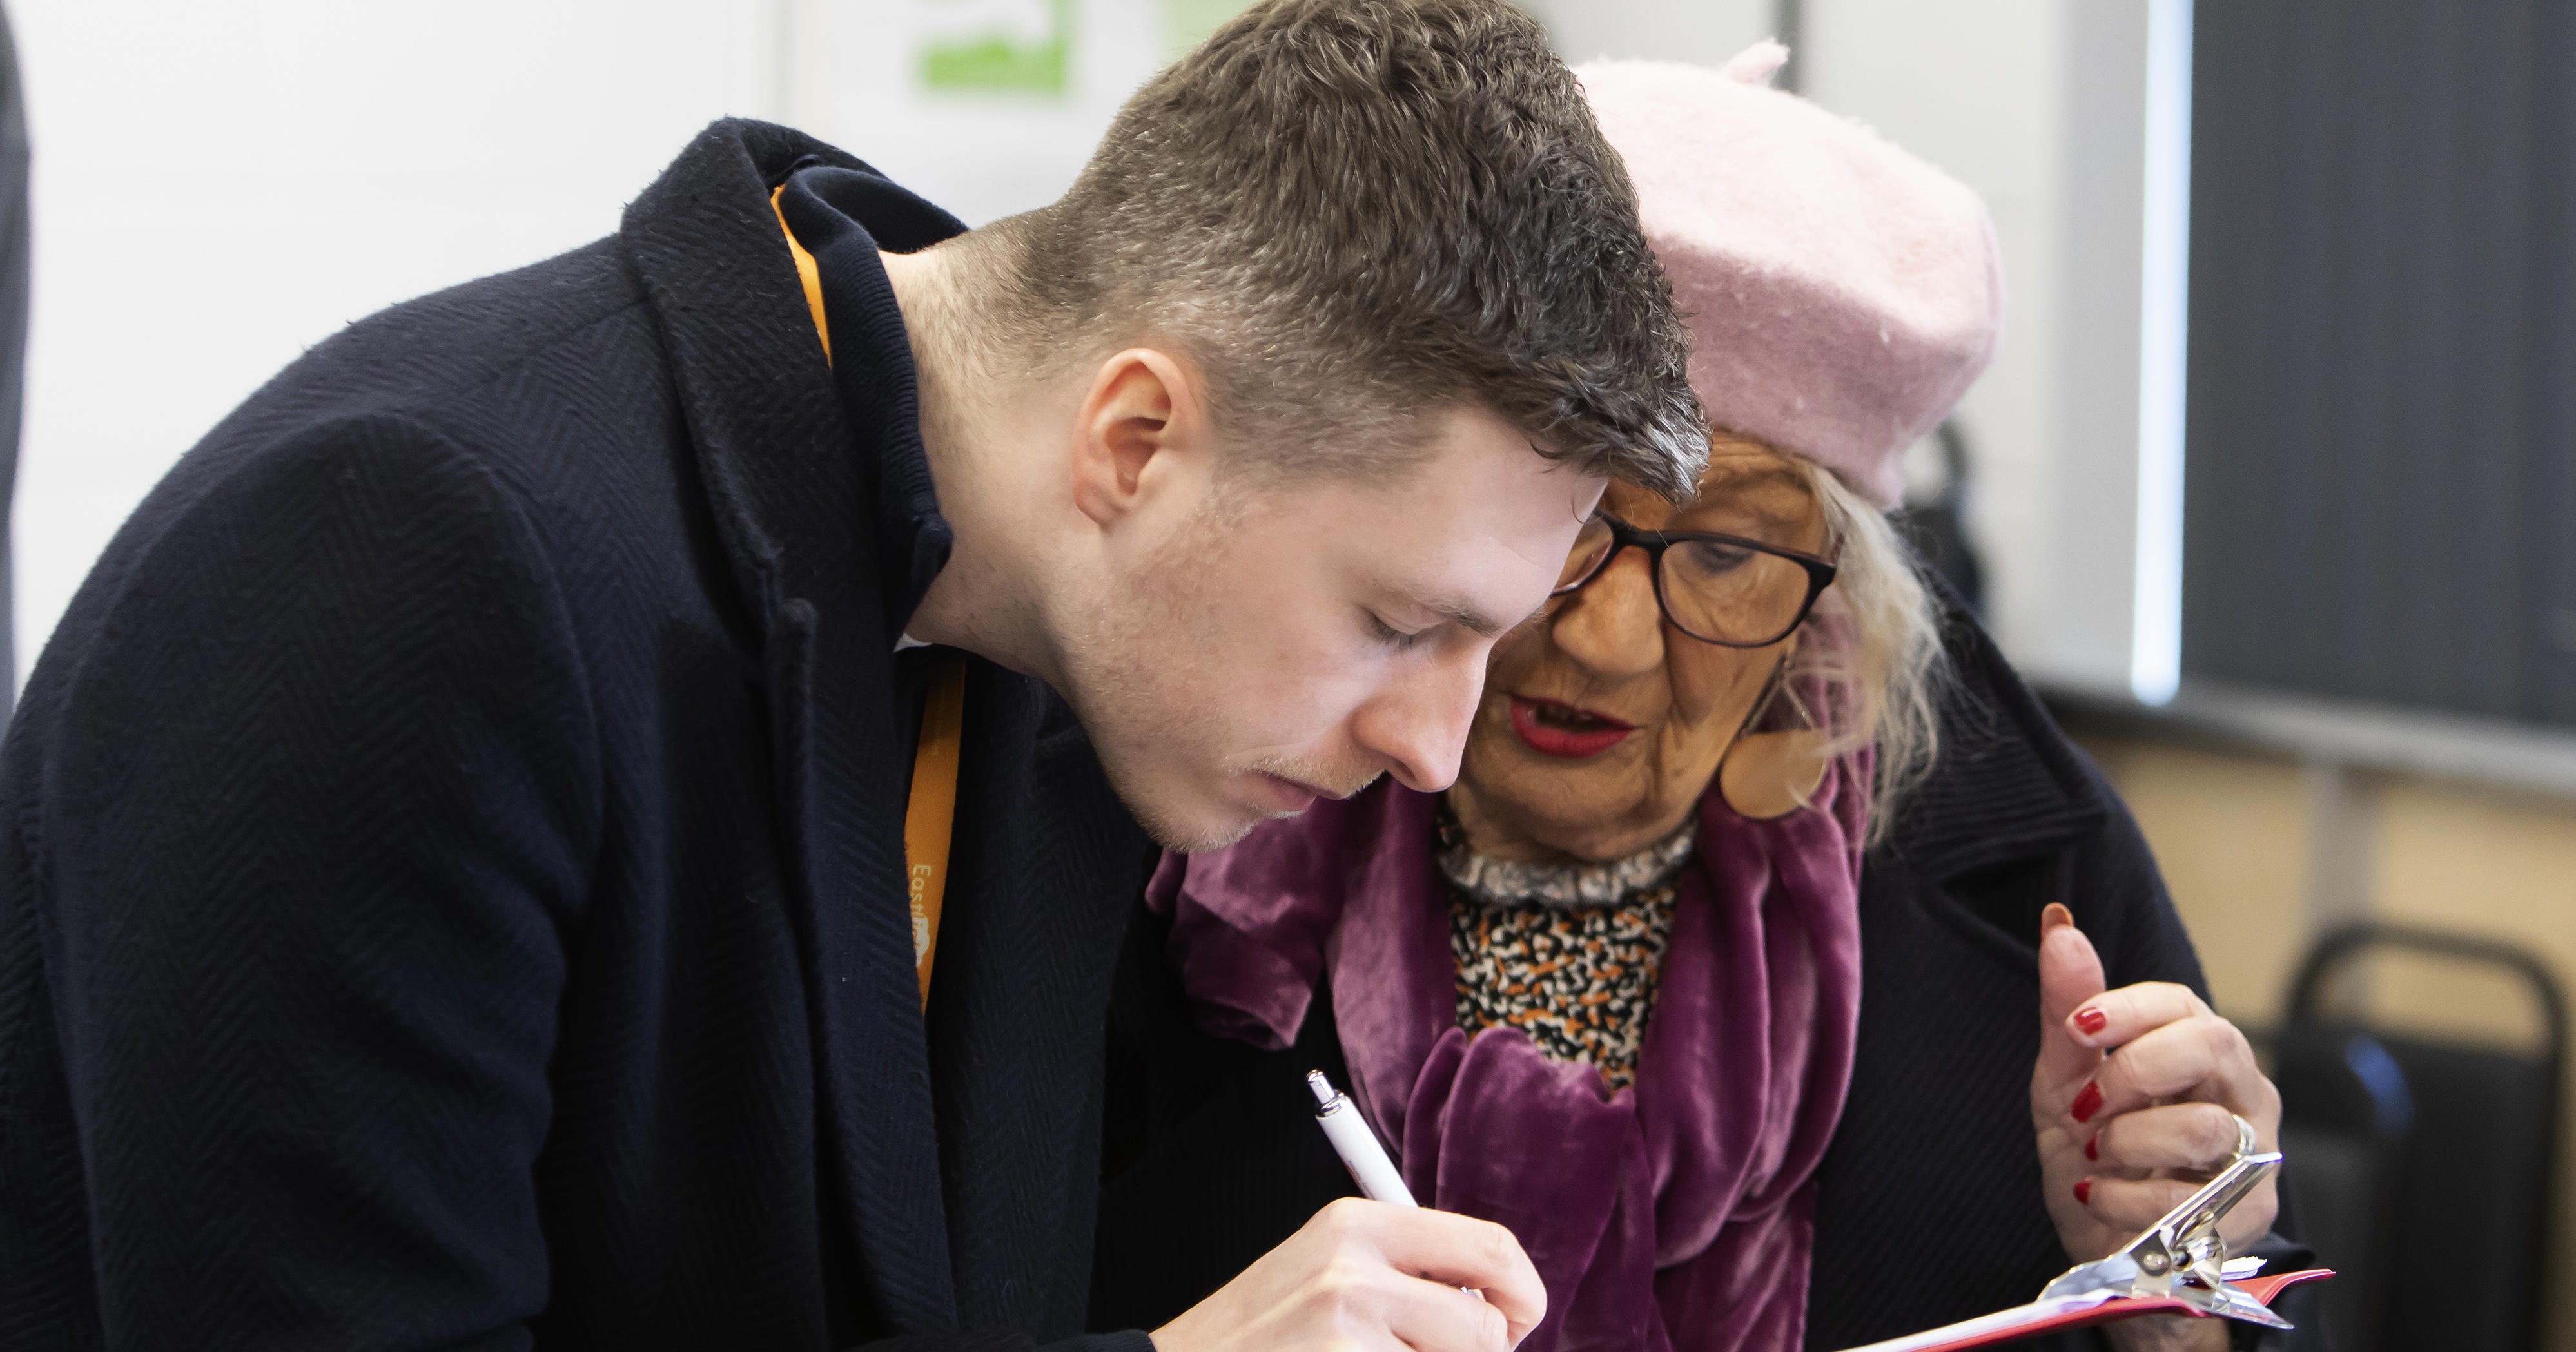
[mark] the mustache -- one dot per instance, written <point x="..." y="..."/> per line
<point x="1327" y="781"/>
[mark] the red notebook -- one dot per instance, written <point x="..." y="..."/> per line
<point x="2030" y="1321"/>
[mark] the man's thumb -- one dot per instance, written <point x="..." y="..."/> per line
<point x="2070" y="973"/>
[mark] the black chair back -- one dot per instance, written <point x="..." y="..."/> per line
<point x="2423" y="1169"/>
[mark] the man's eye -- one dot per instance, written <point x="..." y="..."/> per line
<point x="1390" y="635"/>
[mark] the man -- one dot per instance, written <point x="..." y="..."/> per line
<point x="555" y="825"/>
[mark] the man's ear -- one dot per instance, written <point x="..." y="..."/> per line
<point x="1145" y="415"/>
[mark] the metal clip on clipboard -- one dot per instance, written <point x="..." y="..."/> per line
<point x="2183" y="1257"/>
<point x="2179" y="1265"/>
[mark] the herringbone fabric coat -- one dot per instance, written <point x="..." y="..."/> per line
<point x="452" y="893"/>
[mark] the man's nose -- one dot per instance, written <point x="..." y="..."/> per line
<point x="1417" y="726"/>
<point x="1613" y="627"/>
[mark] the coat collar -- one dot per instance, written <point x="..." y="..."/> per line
<point x="773" y="447"/>
<point x="843" y="217"/>
<point x="796" y="485"/>
<point x="779" y="442"/>
<point x="2007" y="786"/>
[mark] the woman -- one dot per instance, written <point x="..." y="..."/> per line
<point x="1736" y="974"/>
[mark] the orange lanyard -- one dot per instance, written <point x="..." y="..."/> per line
<point x="927" y="822"/>
<point x="806" y="272"/>
<point x="931" y="817"/>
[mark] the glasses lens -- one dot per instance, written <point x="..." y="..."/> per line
<point x="1591" y="546"/>
<point x="1732" y="594"/>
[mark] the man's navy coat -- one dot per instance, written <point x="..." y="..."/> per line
<point x="452" y="893"/>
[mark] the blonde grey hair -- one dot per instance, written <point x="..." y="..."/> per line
<point x="1870" y="654"/>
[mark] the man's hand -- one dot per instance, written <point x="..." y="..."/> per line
<point x="2125" y="1136"/>
<point x="1366" y="1276"/>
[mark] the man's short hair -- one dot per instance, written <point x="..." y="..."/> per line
<point x="1349" y="213"/>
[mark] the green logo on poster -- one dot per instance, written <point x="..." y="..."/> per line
<point x="1004" y="58"/>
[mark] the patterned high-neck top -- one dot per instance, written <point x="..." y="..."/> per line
<point x="1568" y="954"/>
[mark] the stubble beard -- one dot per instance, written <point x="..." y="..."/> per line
<point x="1155" y="712"/>
<point x="1136" y="687"/>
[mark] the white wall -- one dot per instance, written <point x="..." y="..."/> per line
<point x="1704" y="31"/>
<point x="219" y="186"/>
<point x="982" y="156"/>
<point x="2040" y="106"/>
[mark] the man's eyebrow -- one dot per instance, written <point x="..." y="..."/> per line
<point x="1475" y="620"/>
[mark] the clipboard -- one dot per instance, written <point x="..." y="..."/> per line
<point x="2068" y="1312"/>
<point x="2179" y="1265"/>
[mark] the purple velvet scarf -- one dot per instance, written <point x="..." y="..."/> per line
<point x="1674" y="1215"/>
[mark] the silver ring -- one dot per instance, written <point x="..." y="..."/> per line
<point x="2245" y="1142"/>
<point x="2245" y="1145"/>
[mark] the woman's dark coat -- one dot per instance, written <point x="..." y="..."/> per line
<point x="453" y="892"/>
<point x="1928" y="1203"/>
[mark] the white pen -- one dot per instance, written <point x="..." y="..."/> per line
<point x="1356" y="1144"/>
<point x="1360" y="1152"/>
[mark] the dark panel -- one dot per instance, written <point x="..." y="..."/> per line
<point x="2549" y="516"/>
<point x="13" y="326"/>
<point x="2379" y="431"/>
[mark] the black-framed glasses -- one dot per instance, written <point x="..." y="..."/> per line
<point x="1721" y="589"/>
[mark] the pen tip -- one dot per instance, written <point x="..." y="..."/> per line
<point x="1324" y="1092"/>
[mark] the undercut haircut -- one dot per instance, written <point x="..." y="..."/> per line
<point x="1352" y="215"/>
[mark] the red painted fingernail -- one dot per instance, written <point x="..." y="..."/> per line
<point x="2091" y="1021"/>
<point x="2093" y="1146"/>
<point x="2084" y="1192"/>
<point x="2087" y="1103"/>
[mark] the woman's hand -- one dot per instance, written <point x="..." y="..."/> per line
<point x="2125" y="1134"/>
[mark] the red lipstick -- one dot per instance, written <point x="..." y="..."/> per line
<point x="1554" y="729"/>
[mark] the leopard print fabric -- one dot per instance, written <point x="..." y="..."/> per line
<point x="1579" y="981"/>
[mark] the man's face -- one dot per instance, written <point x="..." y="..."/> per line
<point x="1297" y="641"/>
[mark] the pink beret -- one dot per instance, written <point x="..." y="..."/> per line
<point x="1841" y="293"/>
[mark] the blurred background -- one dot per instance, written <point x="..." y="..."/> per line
<point x="2266" y="492"/>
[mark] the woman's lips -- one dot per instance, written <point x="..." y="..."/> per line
<point x="1553" y="729"/>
